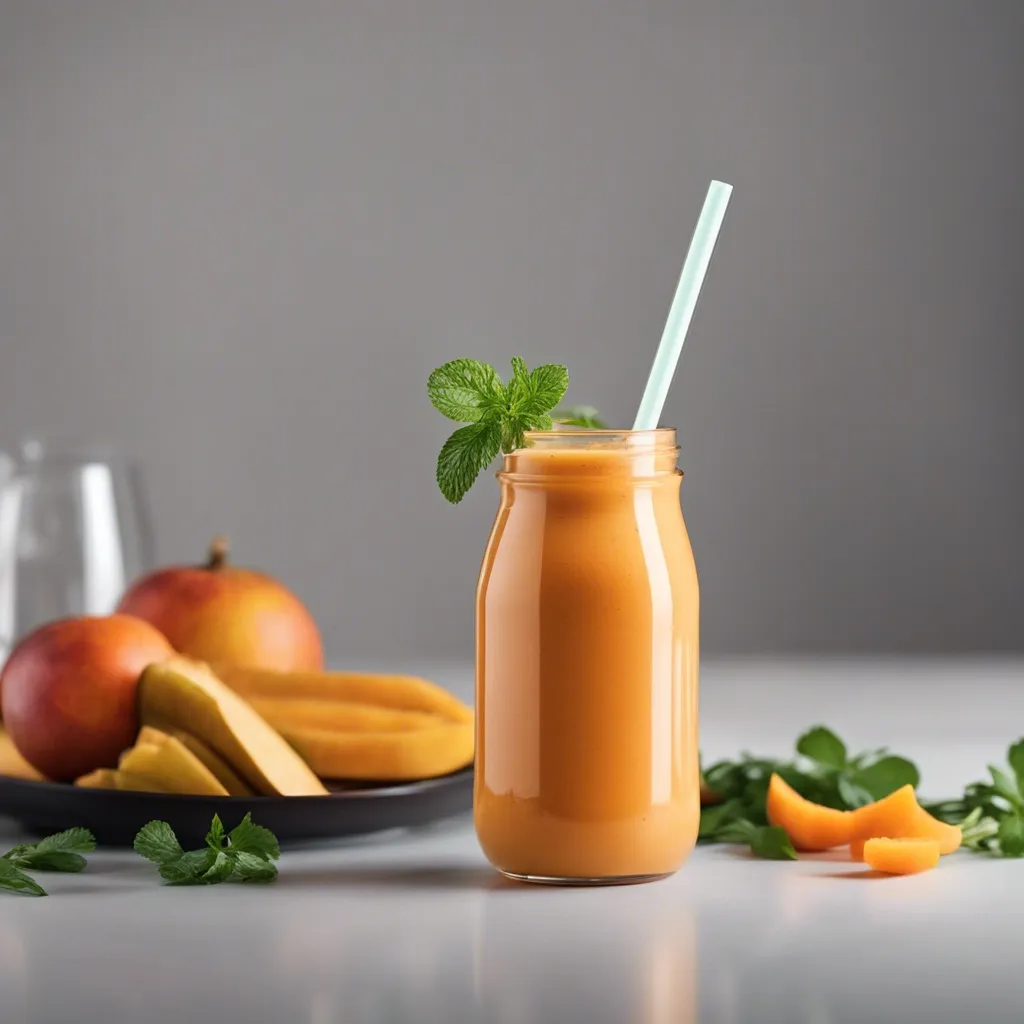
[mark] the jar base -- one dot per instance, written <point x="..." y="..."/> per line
<point x="580" y="882"/>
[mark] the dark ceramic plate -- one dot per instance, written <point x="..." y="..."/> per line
<point x="115" y="817"/>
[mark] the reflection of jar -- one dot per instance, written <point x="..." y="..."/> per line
<point x="587" y="652"/>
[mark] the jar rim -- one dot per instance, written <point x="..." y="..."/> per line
<point x="660" y="438"/>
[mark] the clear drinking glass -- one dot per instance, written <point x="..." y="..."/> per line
<point x="74" y="531"/>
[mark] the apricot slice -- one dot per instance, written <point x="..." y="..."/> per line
<point x="809" y="825"/>
<point x="901" y="856"/>
<point x="900" y="816"/>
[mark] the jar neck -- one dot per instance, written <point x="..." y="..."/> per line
<point x="593" y="455"/>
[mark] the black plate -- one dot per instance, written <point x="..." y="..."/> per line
<point x="115" y="817"/>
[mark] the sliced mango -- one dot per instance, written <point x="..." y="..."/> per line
<point x="111" y="778"/>
<point x="809" y="825"/>
<point x="406" y="693"/>
<point x="396" y="756"/>
<point x="171" y="765"/>
<point x="342" y="716"/>
<point x="183" y="694"/>
<point x="222" y="771"/>
<point x="901" y="856"/>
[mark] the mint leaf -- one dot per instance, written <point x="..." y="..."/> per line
<point x="1015" y="756"/>
<point x="13" y="879"/>
<point x="548" y="385"/>
<point x="253" y="839"/>
<point x="772" y="843"/>
<point x="465" y="455"/>
<point x="579" y="416"/>
<point x="885" y="776"/>
<point x="74" y="840"/>
<point x="1011" y="836"/>
<point x="60" y="852"/>
<point x="215" y="837"/>
<point x="53" y="860"/>
<point x="189" y="868"/>
<point x="220" y="870"/>
<point x="158" y="843"/>
<point x="465" y="390"/>
<point x="824" y="746"/>
<point x="251" y="867"/>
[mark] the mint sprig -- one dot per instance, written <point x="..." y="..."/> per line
<point x="497" y="414"/>
<point x="246" y="852"/>
<point x="60" y="852"/>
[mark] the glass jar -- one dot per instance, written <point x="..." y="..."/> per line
<point x="587" y="623"/>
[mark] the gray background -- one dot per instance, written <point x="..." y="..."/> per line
<point x="236" y="236"/>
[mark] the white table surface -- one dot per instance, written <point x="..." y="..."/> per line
<point x="416" y="927"/>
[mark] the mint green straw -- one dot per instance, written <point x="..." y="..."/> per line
<point x="702" y="245"/>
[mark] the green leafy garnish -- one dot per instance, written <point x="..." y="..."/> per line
<point x="991" y="813"/>
<point x="247" y="852"/>
<point x="497" y="415"/>
<point x="60" y="852"/>
<point x="823" y="771"/>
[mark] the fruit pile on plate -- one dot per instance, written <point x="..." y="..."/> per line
<point x="210" y="680"/>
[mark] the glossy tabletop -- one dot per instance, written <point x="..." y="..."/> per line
<point x="416" y="926"/>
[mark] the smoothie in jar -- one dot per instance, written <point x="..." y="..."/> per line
<point x="587" y="662"/>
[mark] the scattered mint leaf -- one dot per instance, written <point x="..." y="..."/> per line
<point x="189" y="868"/>
<point x="245" y="853"/>
<point x="252" y="868"/>
<point x="13" y="879"/>
<point x="215" y="837"/>
<point x="158" y="843"/>
<point x="465" y="390"/>
<point x="885" y="776"/>
<point x="60" y="852"/>
<point x="579" y="416"/>
<point x="468" y="452"/>
<point x="824" y="746"/>
<point x="254" y="839"/>
<point x="1011" y="836"/>
<point x="220" y="870"/>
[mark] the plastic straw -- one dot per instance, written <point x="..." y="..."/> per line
<point x="702" y="245"/>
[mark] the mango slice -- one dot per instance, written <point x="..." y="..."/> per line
<point x="340" y="715"/>
<point x="406" y="693"/>
<point x="900" y="816"/>
<point x="901" y="856"/>
<point x="111" y="778"/>
<point x="222" y="771"/>
<point x="185" y="695"/>
<point x="166" y="761"/>
<point x="396" y="756"/>
<point x="12" y="764"/>
<point x="809" y="825"/>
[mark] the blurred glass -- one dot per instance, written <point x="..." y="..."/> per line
<point x="74" y="531"/>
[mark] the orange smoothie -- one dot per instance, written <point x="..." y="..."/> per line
<point x="587" y="660"/>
